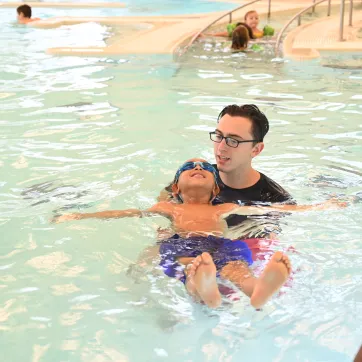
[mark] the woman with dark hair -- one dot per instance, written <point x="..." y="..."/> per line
<point x="240" y="39"/>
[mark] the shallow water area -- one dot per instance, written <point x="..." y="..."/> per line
<point x="108" y="133"/>
<point x="134" y="8"/>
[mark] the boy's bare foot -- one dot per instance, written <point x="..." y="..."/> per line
<point x="273" y="277"/>
<point x="201" y="277"/>
<point x="190" y="281"/>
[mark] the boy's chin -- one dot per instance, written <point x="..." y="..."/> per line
<point x="200" y="187"/>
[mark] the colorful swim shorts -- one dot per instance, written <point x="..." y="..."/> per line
<point x="222" y="251"/>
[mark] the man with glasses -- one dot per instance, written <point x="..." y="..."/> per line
<point x="238" y="138"/>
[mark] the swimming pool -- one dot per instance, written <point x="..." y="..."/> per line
<point x="135" y="7"/>
<point x="93" y="134"/>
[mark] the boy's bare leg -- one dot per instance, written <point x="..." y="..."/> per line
<point x="148" y="255"/>
<point x="189" y="284"/>
<point x="239" y="273"/>
<point x="201" y="280"/>
<point x="138" y="270"/>
<point x="259" y="289"/>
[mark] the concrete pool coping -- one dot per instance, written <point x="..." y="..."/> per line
<point x="165" y="34"/>
<point x="302" y="42"/>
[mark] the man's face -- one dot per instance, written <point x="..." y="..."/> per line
<point x="230" y="159"/>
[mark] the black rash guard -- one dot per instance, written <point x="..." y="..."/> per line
<point x="264" y="192"/>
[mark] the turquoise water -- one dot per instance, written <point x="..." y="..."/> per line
<point x="138" y="7"/>
<point x="95" y="134"/>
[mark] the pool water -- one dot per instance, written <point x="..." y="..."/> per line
<point x="135" y="7"/>
<point x="95" y="134"/>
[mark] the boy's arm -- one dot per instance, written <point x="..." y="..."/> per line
<point x="332" y="203"/>
<point x="329" y="204"/>
<point x="111" y="214"/>
<point x="162" y="208"/>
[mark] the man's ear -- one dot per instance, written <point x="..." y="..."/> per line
<point x="175" y="190"/>
<point x="257" y="149"/>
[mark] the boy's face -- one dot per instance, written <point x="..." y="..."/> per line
<point x="252" y="20"/>
<point x="196" y="178"/>
<point x="21" y="17"/>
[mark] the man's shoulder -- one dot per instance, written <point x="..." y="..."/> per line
<point x="273" y="191"/>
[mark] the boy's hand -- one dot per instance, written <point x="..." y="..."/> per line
<point x="66" y="217"/>
<point x="335" y="203"/>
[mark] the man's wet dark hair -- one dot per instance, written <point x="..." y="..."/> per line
<point x="25" y="9"/>
<point x="259" y="122"/>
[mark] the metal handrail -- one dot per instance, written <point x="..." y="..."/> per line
<point x="192" y="40"/>
<point x="350" y="12"/>
<point x="279" y="38"/>
<point x="341" y="20"/>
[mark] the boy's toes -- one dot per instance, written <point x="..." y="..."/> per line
<point x="286" y="262"/>
<point x="192" y="267"/>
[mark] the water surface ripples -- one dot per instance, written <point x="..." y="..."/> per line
<point x="86" y="134"/>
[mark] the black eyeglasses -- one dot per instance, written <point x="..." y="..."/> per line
<point x="231" y="142"/>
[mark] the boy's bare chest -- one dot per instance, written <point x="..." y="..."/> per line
<point x="204" y="218"/>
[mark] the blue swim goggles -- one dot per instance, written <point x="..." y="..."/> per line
<point x="191" y="165"/>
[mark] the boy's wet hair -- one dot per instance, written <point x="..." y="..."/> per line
<point x="259" y="122"/>
<point x="248" y="13"/>
<point x="25" y="9"/>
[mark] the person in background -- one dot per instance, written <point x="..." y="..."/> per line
<point x="251" y="22"/>
<point x="240" y="39"/>
<point x="24" y="14"/>
<point x="251" y="18"/>
<point x="229" y="31"/>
